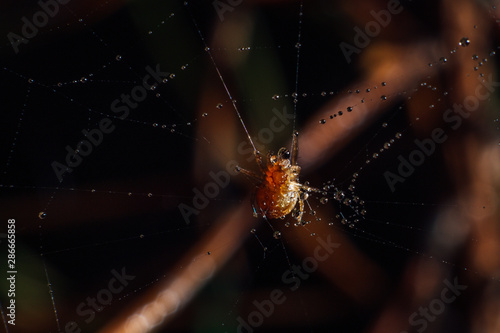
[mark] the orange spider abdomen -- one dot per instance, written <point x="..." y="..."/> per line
<point x="276" y="197"/>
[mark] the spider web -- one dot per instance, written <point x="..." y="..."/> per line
<point x="118" y="210"/>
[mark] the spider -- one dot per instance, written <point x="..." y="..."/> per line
<point x="279" y="189"/>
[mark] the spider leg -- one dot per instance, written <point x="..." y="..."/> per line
<point x="250" y="174"/>
<point x="301" y="209"/>
<point x="295" y="148"/>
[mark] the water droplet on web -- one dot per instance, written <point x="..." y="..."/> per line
<point x="323" y="93"/>
<point x="387" y="145"/>
<point x="219" y="106"/>
<point x="323" y="200"/>
<point x="172" y="75"/>
<point x="83" y="79"/>
<point x="474" y="57"/>
<point x="322" y="121"/>
<point x="341" y="113"/>
<point x="184" y="67"/>
<point x="398" y="135"/>
<point x="141" y="236"/>
<point x="155" y="125"/>
<point x="204" y="115"/>
<point x="30" y="80"/>
<point x="368" y="90"/>
<point x="42" y="215"/>
<point x="277" y="234"/>
<point x="464" y="42"/>
<point x="150" y="32"/>
<point x="129" y="194"/>
<point x="118" y="57"/>
<point x="253" y="231"/>
<point x="150" y="195"/>
<point x="384" y="125"/>
<point x="349" y="108"/>
<point x="275" y="97"/>
<point x="375" y="155"/>
<point x="443" y="60"/>
<point x="298" y="45"/>
<point x="384" y="84"/>
<point x="383" y="97"/>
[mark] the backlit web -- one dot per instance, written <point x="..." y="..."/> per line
<point x="147" y="227"/>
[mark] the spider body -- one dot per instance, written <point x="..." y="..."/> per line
<point x="279" y="190"/>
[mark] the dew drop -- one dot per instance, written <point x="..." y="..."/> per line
<point x="323" y="200"/>
<point x="141" y="236"/>
<point x="219" y="106"/>
<point x="443" y="60"/>
<point x="383" y="97"/>
<point x="298" y="45"/>
<point x="341" y="113"/>
<point x="83" y="79"/>
<point x="387" y="145"/>
<point x="322" y="121"/>
<point x="172" y="75"/>
<point x="375" y="155"/>
<point x="464" y="42"/>
<point x="30" y="80"/>
<point x="384" y="84"/>
<point x="150" y="195"/>
<point x="367" y="89"/>
<point x="384" y="125"/>
<point x="42" y="215"/>
<point x="253" y="231"/>
<point x="207" y="48"/>
<point x="129" y="194"/>
<point x="474" y="57"/>
<point x="276" y="97"/>
<point x="398" y="135"/>
<point x="118" y="57"/>
<point x="323" y="93"/>
<point x="349" y="108"/>
<point x="204" y="115"/>
<point x="277" y="234"/>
